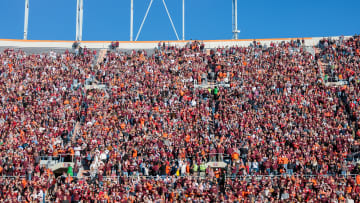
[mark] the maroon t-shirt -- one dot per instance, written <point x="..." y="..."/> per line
<point x="76" y="195"/>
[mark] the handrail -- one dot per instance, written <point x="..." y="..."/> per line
<point x="59" y="156"/>
<point x="198" y="176"/>
<point x="3" y="177"/>
<point x="236" y="176"/>
<point x="56" y="155"/>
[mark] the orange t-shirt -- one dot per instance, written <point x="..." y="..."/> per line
<point x="285" y="160"/>
<point x="134" y="153"/>
<point x="187" y="138"/>
<point x="72" y="152"/>
<point x="358" y="179"/>
<point x="23" y="182"/>
<point x="235" y="156"/>
<point x="348" y="189"/>
<point x="217" y="174"/>
<point x="142" y="121"/>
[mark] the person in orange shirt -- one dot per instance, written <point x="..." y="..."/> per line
<point x="55" y="153"/>
<point x="217" y="173"/>
<point x="280" y="161"/>
<point x="24" y="182"/>
<point x="142" y="121"/>
<point x="348" y="189"/>
<point x="235" y="157"/>
<point x="358" y="179"/>
<point x="68" y="179"/>
<point x="62" y="155"/>
<point x="134" y="155"/>
<point x="167" y="169"/>
<point x="165" y="135"/>
<point x="187" y="138"/>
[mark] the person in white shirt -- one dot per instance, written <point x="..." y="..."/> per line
<point x="349" y="199"/>
<point x="77" y="150"/>
<point x="255" y="166"/>
<point x="183" y="169"/>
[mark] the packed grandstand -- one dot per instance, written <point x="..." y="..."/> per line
<point x="257" y="123"/>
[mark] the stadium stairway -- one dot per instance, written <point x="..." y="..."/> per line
<point x="352" y="120"/>
<point x="334" y="81"/>
<point x="311" y="49"/>
<point x="324" y="72"/>
<point x="214" y="102"/>
<point x="101" y="56"/>
<point x="95" y="83"/>
<point x="210" y="84"/>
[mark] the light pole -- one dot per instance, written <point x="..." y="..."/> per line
<point x="183" y="19"/>
<point x="131" y="19"/>
<point x="234" y="12"/>
<point x="79" y="19"/>
<point x="26" y="20"/>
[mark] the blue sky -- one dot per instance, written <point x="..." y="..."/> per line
<point x="205" y="19"/>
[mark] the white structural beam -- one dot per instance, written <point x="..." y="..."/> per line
<point x="235" y="26"/>
<point x="146" y="14"/>
<point x="183" y="19"/>
<point x="26" y="19"/>
<point x="142" y="23"/>
<point x="172" y="24"/>
<point x="131" y="19"/>
<point x="79" y="19"/>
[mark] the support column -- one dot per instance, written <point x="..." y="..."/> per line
<point x="77" y="19"/>
<point x="81" y="19"/>
<point x="234" y="11"/>
<point x="183" y="20"/>
<point x="131" y="19"/>
<point x="26" y="19"/>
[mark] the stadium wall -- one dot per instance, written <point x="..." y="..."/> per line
<point x="309" y="41"/>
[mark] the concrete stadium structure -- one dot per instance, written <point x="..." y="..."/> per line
<point x="309" y="41"/>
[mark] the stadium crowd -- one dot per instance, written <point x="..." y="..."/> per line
<point x="142" y="126"/>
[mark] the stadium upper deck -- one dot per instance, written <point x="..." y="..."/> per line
<point x="309" y="41"/>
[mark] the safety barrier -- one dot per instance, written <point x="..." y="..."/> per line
<point x="202" y="177"/>
<point x="133" y="177"/>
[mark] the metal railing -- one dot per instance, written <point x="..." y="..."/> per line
<point x="59" y="158"/>
<point x="5" y="176"/>
<point x="205" y="176"/>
